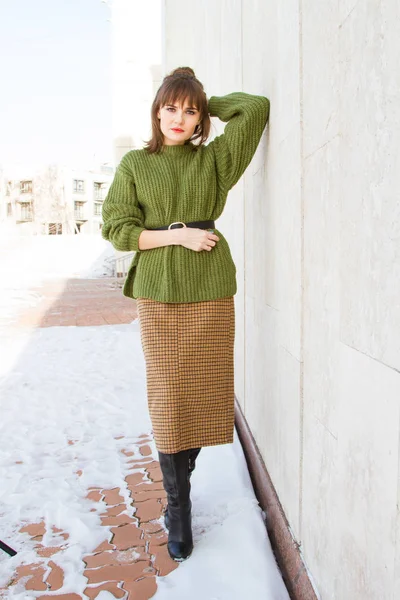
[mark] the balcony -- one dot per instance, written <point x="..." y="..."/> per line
<point x="99" y="195"/>
<point x="80" y="211"/>
<point x="97" y="209"/>
<point x="24" y="213"/>
<point x="100" y="191"/>
<point x="79" y="215"/>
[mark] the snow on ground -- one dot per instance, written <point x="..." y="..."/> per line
<point x="83" y="384"/>
<point x="87" y="384"/>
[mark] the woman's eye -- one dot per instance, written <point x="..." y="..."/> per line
<point x="170" y="109"/>
<point x="190" y="112"/>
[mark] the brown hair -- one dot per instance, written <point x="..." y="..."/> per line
<point x="180" y="85"/>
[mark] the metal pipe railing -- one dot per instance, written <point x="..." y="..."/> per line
<point x="122" y="264"/>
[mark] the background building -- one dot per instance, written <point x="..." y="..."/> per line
<point x="54" y="200"/>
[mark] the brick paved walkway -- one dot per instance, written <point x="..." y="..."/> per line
<point x="127" y="564"/>
<point x="80" y="302"/>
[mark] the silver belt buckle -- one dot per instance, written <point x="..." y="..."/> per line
<point x="177" y="223"/>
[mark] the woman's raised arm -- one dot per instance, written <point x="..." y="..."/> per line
<point x="246" y="116"/>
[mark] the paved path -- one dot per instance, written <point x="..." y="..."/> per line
<point x="80" y="302"/>
<point x="127" y="564"/>
<point x="136" y="552"/>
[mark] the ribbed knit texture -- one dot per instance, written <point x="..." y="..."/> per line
<point x="183" y="183"/>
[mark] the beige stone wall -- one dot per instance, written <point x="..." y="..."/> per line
<point x="314" y="227"/>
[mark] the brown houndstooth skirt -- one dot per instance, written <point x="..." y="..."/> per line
<point x="188" y="350"/>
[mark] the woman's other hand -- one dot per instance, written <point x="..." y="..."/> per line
<point x="195" y="239"/>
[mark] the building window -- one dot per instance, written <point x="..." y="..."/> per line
<point x="97" y="209"/>
<point x="25" y="187"/>
<point x="26" y="211"/>
<point x="55" y="228"/>
<point x="78" y="186"/>
<point x="9" y="209"/>
<point x="79" y="211"/>
<point x="100" y="191"/>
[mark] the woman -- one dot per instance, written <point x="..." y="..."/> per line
<point x="162" y="204"/>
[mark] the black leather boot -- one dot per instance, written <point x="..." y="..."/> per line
<point x="193" y="454"/>
<point x="175" y="470"/>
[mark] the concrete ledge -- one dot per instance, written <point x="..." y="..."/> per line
<point x="285" y="548"/>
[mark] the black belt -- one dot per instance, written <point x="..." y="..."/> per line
<point x="193" y="224"/>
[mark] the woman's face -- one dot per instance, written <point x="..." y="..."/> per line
<point x="178" y="122"/>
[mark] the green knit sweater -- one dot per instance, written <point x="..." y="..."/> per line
<point x="183" y="183"/>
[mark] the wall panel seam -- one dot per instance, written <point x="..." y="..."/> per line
<point x="302" y="272"/>
<point x="244" y="228"/>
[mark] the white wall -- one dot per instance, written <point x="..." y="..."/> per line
<point x="314" y="227"/>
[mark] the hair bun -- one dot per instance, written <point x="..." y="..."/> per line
<point x="183" y="71"/>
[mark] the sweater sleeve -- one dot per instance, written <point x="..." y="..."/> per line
<point x="246" y="116"/>
<point x="122" y="216"/>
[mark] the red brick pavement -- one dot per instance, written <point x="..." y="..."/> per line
<point x="80" y="302"/>
<point x="126" y="565"/>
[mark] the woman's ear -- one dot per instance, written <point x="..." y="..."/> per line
<point x="158" y="115"/>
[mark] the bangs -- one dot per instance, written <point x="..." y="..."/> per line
<point x="177" y="92"/>
<point x="179" y="88"/>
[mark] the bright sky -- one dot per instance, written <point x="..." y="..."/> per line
<point x="55" y="65"/>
